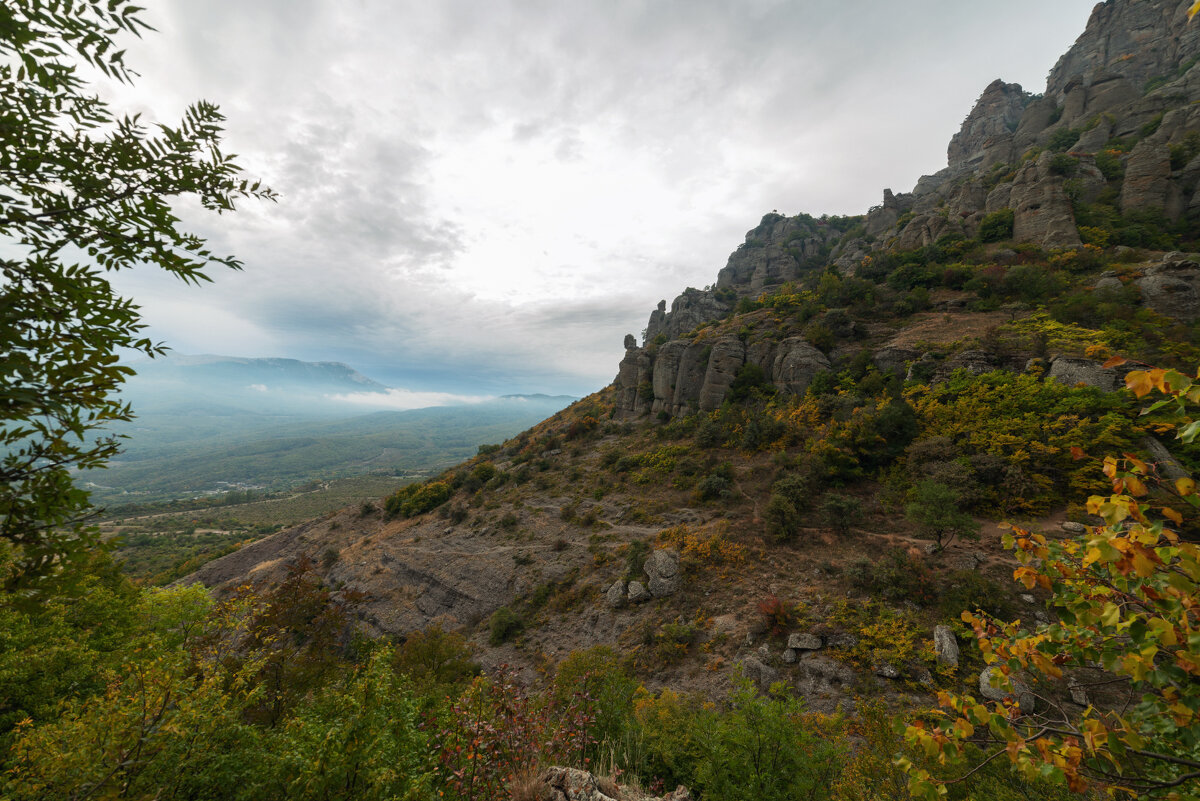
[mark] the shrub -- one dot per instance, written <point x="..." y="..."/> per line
<point x="717" y="485"/>
<point x="969" y="591"/>
<point x="1063" y="139"/>
<point x="841" y="512"/>
<point x="436" y="657"/>
<point x="504" y="625"/>
<point x="895" y="576"/>
<point x="416" y="499"/>
<point x="750" y="380"/>
<point x="997" y="226"/>
<point x="935" y="509"/>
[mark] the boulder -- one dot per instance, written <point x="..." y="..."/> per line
<point x="662" y="568"/>
<point x="789" y="655"/>
<point x="1071" y="527"/>
<point x="894" y="360"/>
<point x="841" y="640"/>
<point x="945" y="646"/>
<point x="991" y="687"/>
<point x="638" y="592"/>
<point x="616" y="595"/>
<point x="887" y="671"/>
<point x="804" y="642"/>
<point x="759" y="672"/>
<point x="1166" y="464"/>
<point x="975" y="362"/>
<point x="572" y="784"/>
<point x="1071" y="371"/>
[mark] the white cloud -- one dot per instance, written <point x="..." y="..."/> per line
<point x="403" y="399"/>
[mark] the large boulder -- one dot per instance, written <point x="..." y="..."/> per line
<point x="662" y="570"/>
<point x="1071" y="371"/>
<point x="945" y="646"/>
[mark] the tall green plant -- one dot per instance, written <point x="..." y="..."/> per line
<point x="85" y="192"/>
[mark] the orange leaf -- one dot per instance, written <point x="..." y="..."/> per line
<point x="1115" y="361"/>
<point x="1077" y="453"/>
<point x="1172" y="515"/>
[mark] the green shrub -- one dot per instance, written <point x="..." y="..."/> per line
<point x="841" y="512"/>
<point x="997" y="226"/>
<point x="1063" y="139"/>
<point x="504" y="625"/>
<point x="968" y="590"/>
<point x="416" y="499"/>
<point x="895" y="576"/>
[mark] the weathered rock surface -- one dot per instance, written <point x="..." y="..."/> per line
<point x="1172" y="288"/>
<point x="726" y="358"/>
<point x="638" y="592"/>
<point x="1136" y="41"/>
<point x="662" y="569"/>
<point x="1041" y="211"/>
<point x="1071" y="371"/>
<point x="1147" y="176"/>
<point x="572" y="784"/>
<point x="1020" y="690"/>
<point x="796" y="362"/>
<point x="945" y="646"/>
<point x="616" y="595"/>
<point x="986" y="135"/>
<point x="804" y="642"/>
<point x="759" y="672"/>
<point x="1166" y="464"/>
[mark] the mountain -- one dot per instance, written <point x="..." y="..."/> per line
<point x="798" y="472"/>
<point x="207" y="423"/>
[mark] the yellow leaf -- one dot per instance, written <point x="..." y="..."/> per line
<point x="1185" y="486"/>
<point x="1172" y="515"/>
<point x="1139" y="383"/>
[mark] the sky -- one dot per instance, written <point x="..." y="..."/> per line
<point x="484" y="197"/>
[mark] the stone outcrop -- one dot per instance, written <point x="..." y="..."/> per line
<point x="945" y="646"/>
<point x="986" y="135"/>
<point x="1172" y="288"/>
<point x="1042" y="212"/>
<point x="662" y="570"/>
<point x="572" y="784"/>
<point x="1138" y="42"/>
<point x="1072" y="371"/>
<point x="774" y="252"/>
<point x="680" y="376"/>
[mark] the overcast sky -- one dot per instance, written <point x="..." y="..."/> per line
<point x="486" y="196"/>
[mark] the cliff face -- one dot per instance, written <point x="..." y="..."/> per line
<point x="1137" y="42"/>
<point x="1119" y="123"/>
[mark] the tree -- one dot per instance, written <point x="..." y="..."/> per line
<point x="934" y="507"/>
<point x="1126" y="645"/>
<point x="85" y="192"/>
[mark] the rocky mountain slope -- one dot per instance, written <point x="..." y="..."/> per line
<point x="754" y="491"/>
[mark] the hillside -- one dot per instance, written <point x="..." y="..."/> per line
<point x="788" y="440"/>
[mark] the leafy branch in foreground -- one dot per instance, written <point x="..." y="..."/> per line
<point x="1126" y="645"/>
<point x="83" y="192"/>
